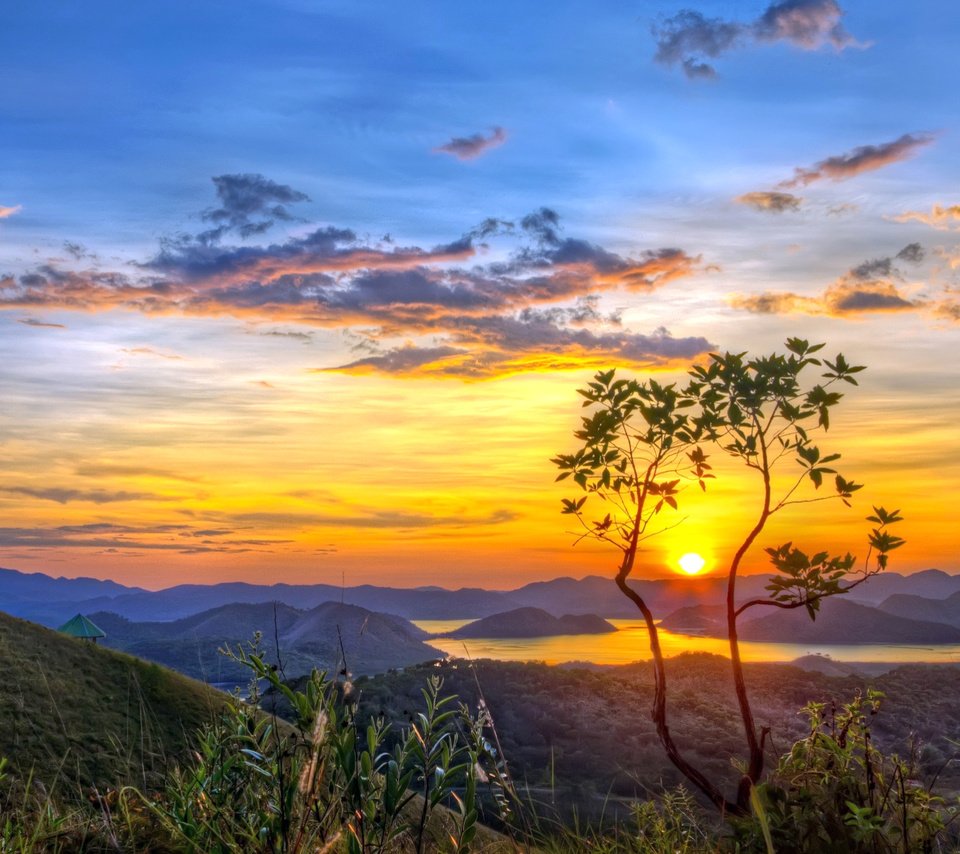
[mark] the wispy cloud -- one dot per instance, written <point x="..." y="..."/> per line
<point x="62" y="495"/>
<point x="106" y="536"/>
<point x="941" y="217"/>
<point x="9" y="211"/>
<point x="689" y="38"/>
<point x="863" y="158"/>
<point x="40" y="324"/>
<point x="770" y="201"/>
<point x="470" y="147"/>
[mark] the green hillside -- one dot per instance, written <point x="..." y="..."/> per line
<point x="76" y="712"/>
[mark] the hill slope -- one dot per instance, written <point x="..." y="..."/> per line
<point x="95" y="716"/>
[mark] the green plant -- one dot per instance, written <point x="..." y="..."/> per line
<point x="643" y="442"/>
<point x="327" y="781"/>
<point x="836" y="792"/>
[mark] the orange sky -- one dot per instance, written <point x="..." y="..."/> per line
<point x="304" y="294"/>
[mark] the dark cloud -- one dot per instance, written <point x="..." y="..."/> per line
<point x="912" y="253"/>
<point x="485" y="347"/>
<point x="40" y="324"/>
<point x="864" y="158"/>
<point x="470" y="147"/>
<point x="105" y="536"/>
<point x="249" y="204"/>
<point x="689" y="34"/>
<point x="770" y="202"/>
<point x="540" y="292"/>
<point x="95" y="496"/>
<point x="689" y="37"/>
<point x="872" y="286"/>
<point x="75" y="250"/>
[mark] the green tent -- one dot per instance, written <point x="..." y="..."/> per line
<point x="81" y="627"/>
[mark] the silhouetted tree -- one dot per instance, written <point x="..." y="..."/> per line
<point x="642" y="441"/>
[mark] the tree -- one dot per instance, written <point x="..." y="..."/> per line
<point x="643" y="444"/>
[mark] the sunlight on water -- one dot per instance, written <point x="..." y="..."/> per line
<point x="630" y="644"/>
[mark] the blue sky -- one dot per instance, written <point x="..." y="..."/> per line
<point x="708" y="175"/>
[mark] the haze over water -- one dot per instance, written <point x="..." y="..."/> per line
<point x="630" y="644"/>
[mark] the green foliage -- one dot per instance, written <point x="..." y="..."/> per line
<point x="259" y="784"/>
<point x="835" y="792"/>
<point x="643" y="442"/>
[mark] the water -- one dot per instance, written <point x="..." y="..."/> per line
<point x="629" y="644"/>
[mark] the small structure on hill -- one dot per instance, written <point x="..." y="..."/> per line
<point x="82" y="627"/>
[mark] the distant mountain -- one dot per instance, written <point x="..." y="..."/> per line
<point x="921" y="608"/>
<point x="844" y="622"/>
<point x="74" y="712"/>
<point x="322" y="637"/>
<point x="697" y="619"/>
<point x="53" y="600"/>
<point x="930" y="583"/>
<point x="532" y="623"/>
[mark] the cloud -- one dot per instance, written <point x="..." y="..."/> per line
<point x="870" y="287"/>
<point x="864" y="158"/>
<point x="770" y="201"/>
<point x="470" y="147"/>
<point x="487" y="347"/>
<point x="249" y="204"/>
<point x="95" y="496"/>
<point x="40" y="324"/>
<point x="941" y="217"/>
<point x="101" y="535"/>
<point x="808" y="24"/>
<point x="9" y="211"/>
<point x="689" y="37"/>
<point x="535" y="304"/>
<point x="149" y="351"/>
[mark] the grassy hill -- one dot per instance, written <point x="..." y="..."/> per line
<point x="77" y="712"/>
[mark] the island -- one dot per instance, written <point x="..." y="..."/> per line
<point x="532" y="623"/>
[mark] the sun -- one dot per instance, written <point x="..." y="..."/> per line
<point x="691" y="563"/>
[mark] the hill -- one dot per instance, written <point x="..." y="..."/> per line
<point x="844" y="622"/>
<point x="321" y="638"/>
<point x="923" y="608"/>
<point x="697" y="619"/>
<point x="76" y="711"/>
<point x="532" y="623"/>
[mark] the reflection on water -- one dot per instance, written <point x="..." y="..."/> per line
<point x="630" y="644"/>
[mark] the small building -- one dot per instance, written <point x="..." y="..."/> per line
<point x="82" y="627"/>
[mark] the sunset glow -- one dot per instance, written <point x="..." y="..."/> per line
<point x="691" y="563"/>
<point x="305" y="294"/>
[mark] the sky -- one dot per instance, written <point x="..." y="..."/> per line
<point x="303" y="291"/>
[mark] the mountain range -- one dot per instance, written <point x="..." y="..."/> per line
<point x="52" y="601"/>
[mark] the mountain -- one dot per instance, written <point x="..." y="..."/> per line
<point x="930" y="583"/>
<point x="532" y="623"/>
<point x="53" y="600"/>
<point x="843" y="622"/>
<point x="921" y="608"/>
<point x="697" y="619"/>
<point x="321" y="638"/>
<point x="75" y="712"/>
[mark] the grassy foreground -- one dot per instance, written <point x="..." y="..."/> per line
<point x="102" y="752"/>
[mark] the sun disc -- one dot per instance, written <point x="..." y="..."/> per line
<point x="691" y="563"/>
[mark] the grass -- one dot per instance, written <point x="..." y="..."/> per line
<point x="78" y="716"/>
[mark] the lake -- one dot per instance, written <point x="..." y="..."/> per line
<point x="629" y="644"/>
